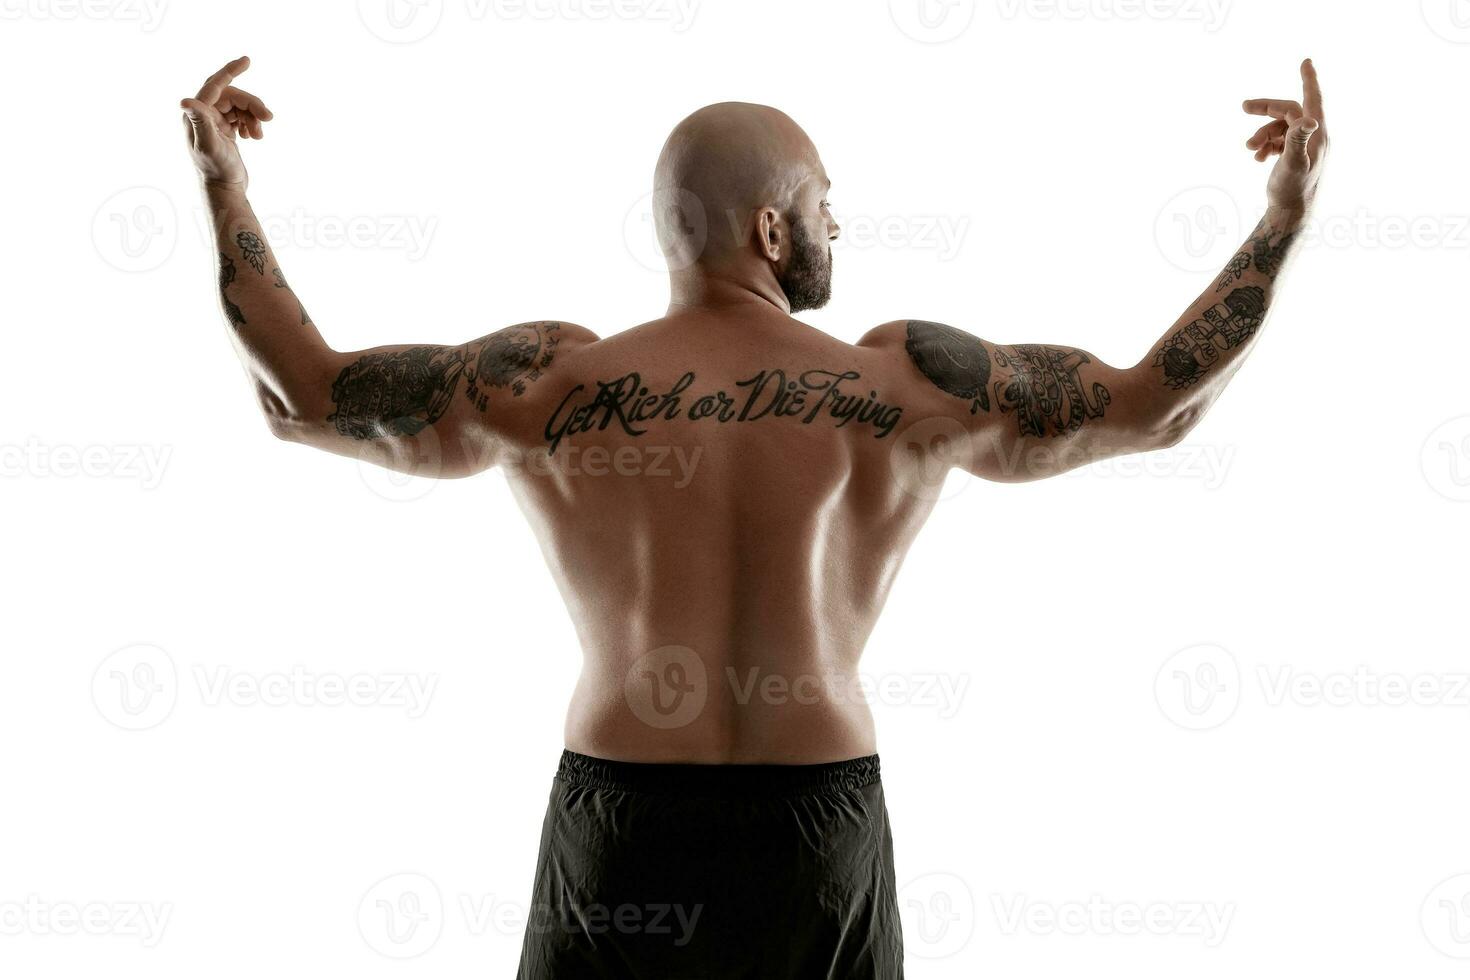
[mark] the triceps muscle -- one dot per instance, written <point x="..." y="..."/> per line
<point x="385" y="394"/>
<point x="398" y="392"/>
<point x="1050" y="389"/>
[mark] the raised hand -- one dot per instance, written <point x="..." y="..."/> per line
<point x="215" y="117"/>
<point x="1297" y="133"/>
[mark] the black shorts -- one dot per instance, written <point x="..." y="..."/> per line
<point x="714" y="871"/>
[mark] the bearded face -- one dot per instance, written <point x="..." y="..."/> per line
<point x="807" y="280"/>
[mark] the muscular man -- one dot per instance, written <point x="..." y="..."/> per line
<point x="719" y="778"/>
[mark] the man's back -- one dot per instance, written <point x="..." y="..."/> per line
<point x="714" y="494"/>
<point x="725" y="496"/>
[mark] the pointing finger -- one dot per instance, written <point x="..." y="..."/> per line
<point x="215" y="85"/>
<point x="1311" y="91"/>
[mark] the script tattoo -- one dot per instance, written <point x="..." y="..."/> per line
<point x="1190" y="352"/>
<point x="1044" y="387"/>
<point x="771" y="393"/>
<point x="281" y="284"/>
<point x="395" y="394"/>
<point x="956" y="362"/>
<point x="227" y="276"/>
<point x="253" y="249"/>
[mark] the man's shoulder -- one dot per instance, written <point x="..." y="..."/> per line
<point x="532" y="343"/>
<point x="906" y="334"/>
<point x="892" y="334"/>
<point x="566" y="333"/>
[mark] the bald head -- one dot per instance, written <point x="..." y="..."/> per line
<point x="719" y="167"/>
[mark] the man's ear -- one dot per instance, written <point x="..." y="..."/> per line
<point x="770" y="239"/>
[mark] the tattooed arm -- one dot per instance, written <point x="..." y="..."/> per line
<point x="1034" y="410"/>
<point x="425" y="409"/>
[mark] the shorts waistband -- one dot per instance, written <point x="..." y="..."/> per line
<point x="741" y="779"/>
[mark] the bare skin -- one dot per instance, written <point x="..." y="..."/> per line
<point x="726" y="494"/>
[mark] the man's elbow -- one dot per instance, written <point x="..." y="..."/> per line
<point x="1176" y="425"/>
<point x="283" y="422"/>
<point x="285" y="428"/>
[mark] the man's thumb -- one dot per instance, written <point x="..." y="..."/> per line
<point x="195" y="120"/>
<point x="1298" y="136"/>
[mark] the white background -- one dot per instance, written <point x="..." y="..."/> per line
<point x="1029" y="172"/>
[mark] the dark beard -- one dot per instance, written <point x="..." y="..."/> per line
<point x="807" y="281"/>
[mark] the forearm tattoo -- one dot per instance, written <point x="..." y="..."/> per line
<point x="1189" y="353"/>
<point x="1041" y="384"/>
<point x="1265" y="249"/>
<point x="253" y="248"/>
<point x="281" y="284"/>
<point x="1269" y="248"/>
<point x="1234" y="270"/>
<point x="227" y="276"/>
<point x="400" y="393"/>
<point x="802" y="397"/>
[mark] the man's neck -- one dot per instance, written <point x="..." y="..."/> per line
<point x="695" y="290"/>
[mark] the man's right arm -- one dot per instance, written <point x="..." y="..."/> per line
<point x="426" y="409"/>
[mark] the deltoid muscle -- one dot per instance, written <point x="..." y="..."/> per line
<point x="507" y="355"/>
<point x="1187" y="355"/>
<point x="957" y="363"/>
